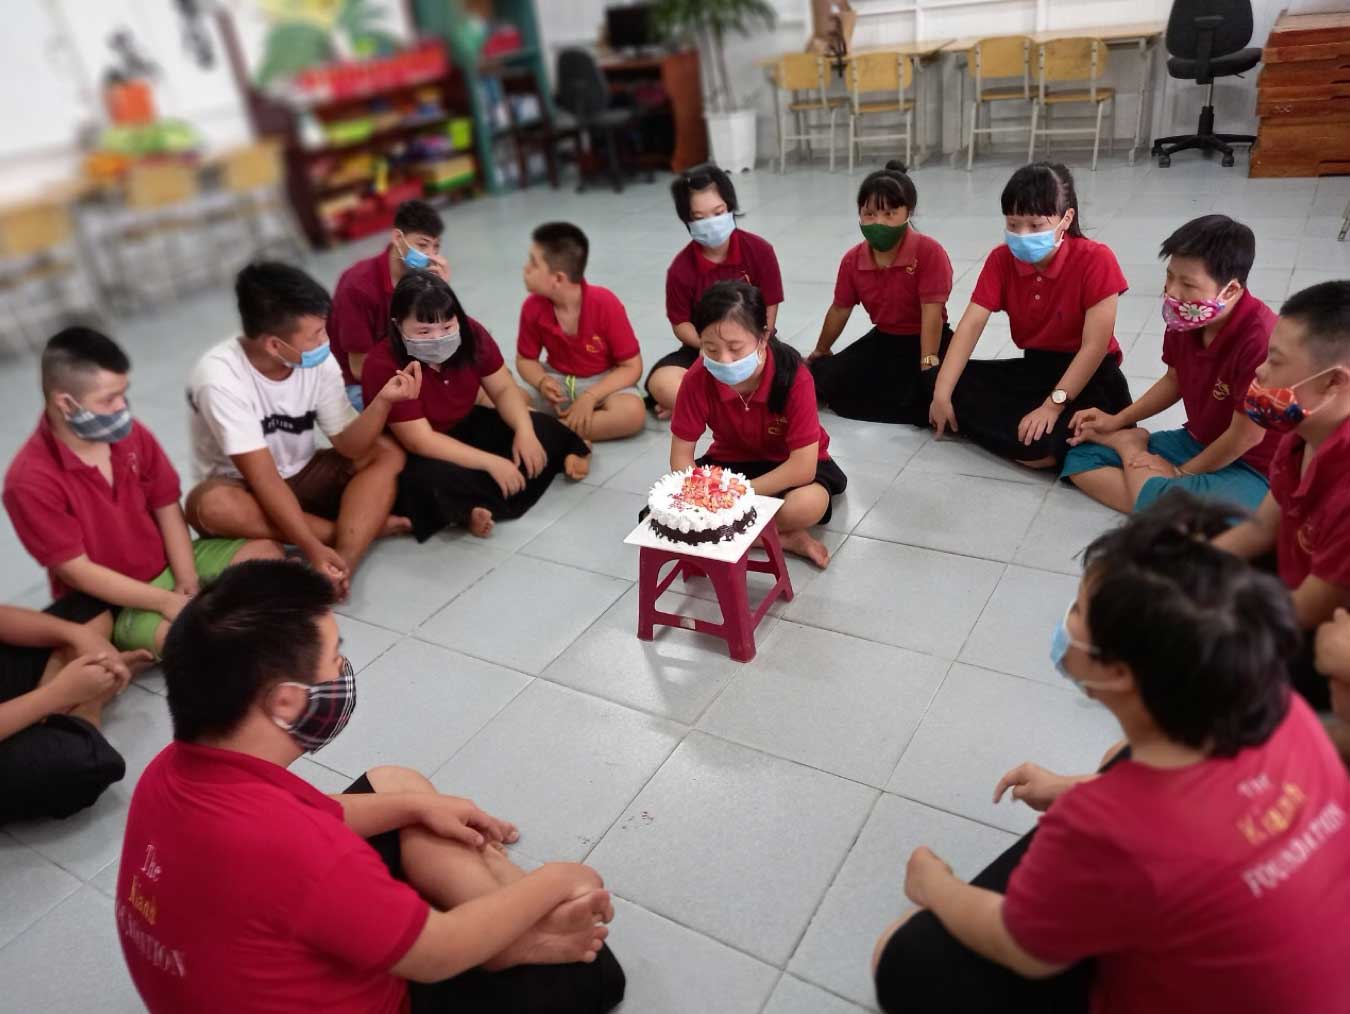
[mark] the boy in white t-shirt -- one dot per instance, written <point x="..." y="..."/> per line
<point x="255" y="403"/>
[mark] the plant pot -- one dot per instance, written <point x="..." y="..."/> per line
<point x="732" y="138"/>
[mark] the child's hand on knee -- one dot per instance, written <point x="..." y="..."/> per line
<point x="460" y="820"/>
<point x="1090" y="423"/>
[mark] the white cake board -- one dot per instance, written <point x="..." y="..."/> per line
<point x="726" y="552"/>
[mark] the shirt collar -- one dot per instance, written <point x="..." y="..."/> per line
<point x="1331" y="457"/>
<point x="1066" y="250"/>
<point x="68" y="459"/>
<point x="906" y="257"/>
<point x="213" y="764"/>
<point x="733" y="254"/>
<point x="1232" y="324"/>
<point x="761" y="394"/>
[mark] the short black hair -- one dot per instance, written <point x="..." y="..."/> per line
<point x="1324" y="311"/>
<point x="419" y="216"/>
<point x="1206" y="635"/>
<point x="1226" y="247"/>
<point x="256" y="625"/>
<point x="72" y="356"/>
<point x="428" y="298"/>
<point x="888" y="189"/>
<point x="1043" y="188"/>
<point x="565" y="248"/>
<point x="701" y="177"/>
<point x="743" y="303"/>
<point x="272" y="296"/>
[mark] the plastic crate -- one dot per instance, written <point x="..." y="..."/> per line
<point x="461" y="132"/>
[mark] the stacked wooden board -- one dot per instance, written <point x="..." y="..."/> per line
<point x="1303" y="98"/>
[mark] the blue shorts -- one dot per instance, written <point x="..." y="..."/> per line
<point x="1239" y="483"/>
<point x="354" y="396"/>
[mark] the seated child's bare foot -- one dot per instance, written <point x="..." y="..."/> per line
<point x="137" y="661"/>
<point x="803" y="544"/>
<point x="480" y="522"/>
<point x="576" y="467"/>
<point x="572" y="932"/>
<point x="395" y="525"/>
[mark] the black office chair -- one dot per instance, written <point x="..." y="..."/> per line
<point x="584" y="98"/>
<point x="1205" y="39"/>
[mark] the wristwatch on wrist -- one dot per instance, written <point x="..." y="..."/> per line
<point x="1059" y="396"/>
<point x="928" y="362"/>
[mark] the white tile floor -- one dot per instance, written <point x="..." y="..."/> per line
<point x="754" y="819"/>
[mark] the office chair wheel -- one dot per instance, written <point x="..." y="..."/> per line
<point x="1227" y="162"/>
<point x="1164" y="161"/>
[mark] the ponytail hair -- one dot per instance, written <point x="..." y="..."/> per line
<point x="743" y="304"/>
<point x="1043" y="188"/>
<point x="888" y="189"/>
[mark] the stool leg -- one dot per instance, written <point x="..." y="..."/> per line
<point x="774" y="548"/>
<point x="734" y="600"/>
<point x="649" y="573"/>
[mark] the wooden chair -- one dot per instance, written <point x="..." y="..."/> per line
<point x="41" y="276"/>
<point x="871" y="74"/>
<point x="804" y="77"/>
<point x="157" y="238"/>
<point x="251" y="194"/>
<point x="1071" y="61"/>
<point x="1000" y="58"/>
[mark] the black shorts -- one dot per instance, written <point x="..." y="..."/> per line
<point x="526" y="989"/>
<point x="828" y="474"/>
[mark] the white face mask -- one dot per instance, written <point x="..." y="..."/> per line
<point x="433" y="351"/>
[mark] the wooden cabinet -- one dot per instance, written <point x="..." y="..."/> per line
<point x="1303" y="98"/>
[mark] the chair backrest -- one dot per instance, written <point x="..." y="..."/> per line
<point x="799" y="72"/>
<point x="252" y="168"/>
<point x="879" y="72"/>
<point x="1071" y="60"/>
<point x="152" y="185"/>
<point x="582" y="89"/>
<point x="34" y="228"/>
<point x="1230" y="35"/>
<point x="1001" y="56"/>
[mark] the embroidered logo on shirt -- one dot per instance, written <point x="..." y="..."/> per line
<point x="911" y="268"/>
<point x="1307" y="537"/>
<point x="289" y="423"/>
<point x="595" y="345"/>
<point x="1221" y="390"/>
<point x="778" y="425"/>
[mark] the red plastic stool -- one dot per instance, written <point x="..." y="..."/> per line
<point x="728" y="580"/>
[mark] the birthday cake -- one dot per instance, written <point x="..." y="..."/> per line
<point x="702" y="504"/>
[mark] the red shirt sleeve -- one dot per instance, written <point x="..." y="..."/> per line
<point x="528" y="342"/>
<point x="359" y="914"/>
<point x="1102" y="276"/>
<point x="803" y="418"/>
<point x="158" y="476"/>
<point x="935" y="272"/>
<point x="989" y="287"/>
<point x="43" y="520"/>
<point x="690" y="417"/>
<point x="679" y="295"/>
<point x="1171" y="354"/>
<point x="617" y="330"/>
<point x="375" y="373"/>
<point x="845" y="292"/>
<point x="489" y="357"/>
<point x="352" y="318"/>
<point x="1331" y="560"/>
<point x="768" y="277"/>
<point x="1076" y="893"/>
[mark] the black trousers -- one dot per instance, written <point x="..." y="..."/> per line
<point x="828" y="474"/>
<point x="593" y="988"/>
<point x="878" y="379"/>
<point x="993" y="395"/>
<point x="923" y="968"/>
<point x="435" y="494"/>
<point x="61" y="765"/>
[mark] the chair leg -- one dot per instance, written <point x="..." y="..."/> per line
<point x="852" y="133"/>
<point x="1111" y="133"/>
<point x="1031" y="144"/>
<point x="615" y="170"/>
<point x="1097" y="135"/>
<point x="909" y="139"/>
<point x="974" y="124"/>
<point x="782" y="140"/>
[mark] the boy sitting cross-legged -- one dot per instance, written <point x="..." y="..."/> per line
<point x="593" y="358"/>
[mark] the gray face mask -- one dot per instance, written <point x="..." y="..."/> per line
<point x="432" y="350"/>
<point x="104" y="429"/>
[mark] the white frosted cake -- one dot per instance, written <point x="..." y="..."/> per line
<point x="702" y="504"/>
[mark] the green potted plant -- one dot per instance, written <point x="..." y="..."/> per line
<point x="731" y="129"/>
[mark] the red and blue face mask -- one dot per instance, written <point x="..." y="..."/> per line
<point x="1277" y="408"/>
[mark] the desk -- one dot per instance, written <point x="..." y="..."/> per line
<point x="1141" y="36"/>
<point x="677" y="75"/>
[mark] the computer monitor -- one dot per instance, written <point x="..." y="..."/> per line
<point x="630" y="26"/>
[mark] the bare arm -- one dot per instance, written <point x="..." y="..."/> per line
<point x="276" y="499"/>
<point x="963" y="344"/>
<point x="930" y="330"/>
<point x="25" y="628"/>
<point x="798" y="470"/>
<point x="355" y="360"/>
<point x="83" y="574"/>
<point x="417" y="437"/>
<point x="681" y="454"/>
<point x="177" y="545"/>
<point x="1098" y="327"/>
<point x="1316" y="601"/>
<point x="771" y="314"/>
<point x="625" y="374"/>
<point x="510" y="401"/>
<point x="687" y="334"/>
<point x="356" y="441"/>
<point x="1240" y="437"/>
<point x="1255" y="536"/>
<point x="831" y="328"/>
<point x="975" y="917"/>
<point x="1165" y="392"/>
<point x="531" y="371"/>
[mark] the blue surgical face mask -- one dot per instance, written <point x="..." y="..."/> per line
<point x="713" y="232"/>
<point x="309" y="358"/>
<point x="433" y="350"/>
<point x="736" y="372"/>
<point x="414" y="258"/>
<point x="1060" y="642"/>
<point x="106" y="428"/>
<point x="1032" y="247"/>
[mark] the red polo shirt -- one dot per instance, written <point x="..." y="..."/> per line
<point x="448" y="392"/>
<point x="241" y="889"/>
<point x="749" y="259"/>
<point x="604" y="336"/>
<point x="359" y="319"/>
<point x="1314" y="509"/>
<point x="747" y="430"/>
<point x="1046" y="309"/>
<point x="894" y="296"/>
<point x="1214" y="380"/>
<point x="62" y="508"/>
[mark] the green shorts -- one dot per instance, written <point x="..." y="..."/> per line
<point x="135" y="628"/>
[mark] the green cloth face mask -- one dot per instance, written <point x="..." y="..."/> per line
<point x="883" y="237"/>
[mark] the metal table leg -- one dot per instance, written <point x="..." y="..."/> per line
<point x="1146" y="50"/>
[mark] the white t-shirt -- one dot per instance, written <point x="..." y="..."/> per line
<point x="236" y="410"/>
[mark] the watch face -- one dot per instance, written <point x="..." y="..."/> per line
<point x="1059" y="397"/>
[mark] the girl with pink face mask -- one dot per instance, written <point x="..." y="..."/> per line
<point x="1216" y="336"/>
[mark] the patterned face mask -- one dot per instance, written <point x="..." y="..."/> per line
<point x="1189" y="314"/>
<point x="107" y="428"/>
<point x="330" y="706"/>
<point x="1277" y="408"/>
